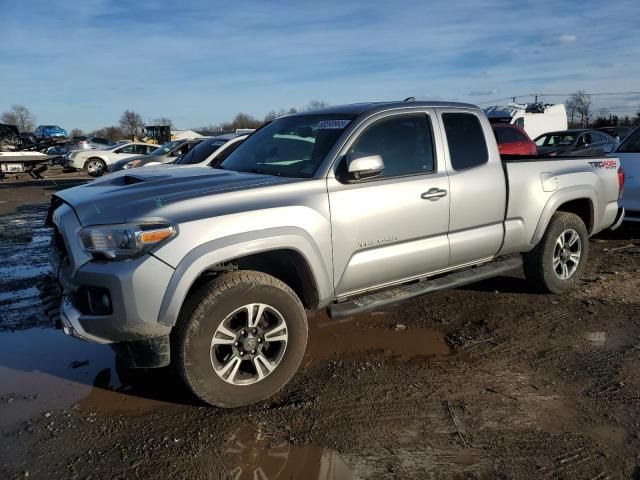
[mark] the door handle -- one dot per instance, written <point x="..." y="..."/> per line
<point x="433" y="194"/>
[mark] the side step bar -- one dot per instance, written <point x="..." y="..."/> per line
<point x="383" y="298"/>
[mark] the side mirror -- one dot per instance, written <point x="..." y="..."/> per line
<point x="364" y="165"/>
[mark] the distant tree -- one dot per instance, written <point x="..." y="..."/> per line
<point x="131" y="124"/>
<point x="20" y="116"/>
<point x="579" y="103"/>
<point x="242" y="120"/>
<point x="112" y="133"/>
<point x="315" y="105"/>
<point x="271" y="115"/>
<point x="76" y="132"/>
<point x="162" y="121"/>
<point x="636" y="119"/>
<point x="571" y="107"/>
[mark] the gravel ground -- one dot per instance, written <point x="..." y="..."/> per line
<point x="488" y="381"/>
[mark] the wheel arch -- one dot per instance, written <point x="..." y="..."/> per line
<point x="290" y="257"/>
<point x="580" y="200"/>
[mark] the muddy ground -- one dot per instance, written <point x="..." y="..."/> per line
<point x="488" y="381"/>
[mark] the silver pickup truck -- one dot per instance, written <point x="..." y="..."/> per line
<point x="350" y="208"/>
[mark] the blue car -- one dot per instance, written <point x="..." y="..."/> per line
<point x="50" y="132"/>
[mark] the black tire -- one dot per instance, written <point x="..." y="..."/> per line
<point x="539" y="262"/>
<point x="95" y="161"/>
<point x="207" y="308"/>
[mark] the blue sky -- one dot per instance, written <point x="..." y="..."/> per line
<point x="81" y="63"/>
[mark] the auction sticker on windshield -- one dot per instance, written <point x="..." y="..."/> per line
<point x="331" y="124"/>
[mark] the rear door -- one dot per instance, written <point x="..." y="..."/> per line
<point x="392" y="227"/>
<point x="477" y="185"/>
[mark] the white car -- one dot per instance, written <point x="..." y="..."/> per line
<point x="629" y="154"/>
<point x="95" y="162"/>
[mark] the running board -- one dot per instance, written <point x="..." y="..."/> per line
<point x="383" y="298"/>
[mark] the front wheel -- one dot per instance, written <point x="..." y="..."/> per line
<point x="95" y="167"/>
<point x="240" y="338"/>
<point x="557" y="262"/>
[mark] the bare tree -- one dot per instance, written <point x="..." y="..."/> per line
<point x="571" y="108"/>
<point x="315" y="105"/>
<point x="581" y="104"/>
<point x="76" y="132"/>
<point x="20" y="116"/>
<point x="131" y="124"/>
<point x="112" y="133"/>
<point x="242" y="120"/>
<point x="162" y="121"/>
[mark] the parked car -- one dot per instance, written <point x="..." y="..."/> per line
<point x="629" y="154"/>
<point x="578" y="142"/>
<point x="213" y="269"/>
<point x="619" y="133"/>
<point x="50" y="132"/>
<point x="215" y="148"/>
<point x="513" y="140"/>
<point x="165" y="153"/>
<point x="96" y="162"/>
<point x="91" y="143"/>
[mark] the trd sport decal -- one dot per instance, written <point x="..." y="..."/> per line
<point x="604" y="164"/>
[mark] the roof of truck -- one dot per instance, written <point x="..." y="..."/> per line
<point x="358" y="108"/>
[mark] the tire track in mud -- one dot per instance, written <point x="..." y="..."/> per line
<point x="24" y="248"/>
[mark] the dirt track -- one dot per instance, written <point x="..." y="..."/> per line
<point x="489" y="381"/>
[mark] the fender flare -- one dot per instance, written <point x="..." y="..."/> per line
<point x="228" y="248"/>
<point x="577" y="192"/>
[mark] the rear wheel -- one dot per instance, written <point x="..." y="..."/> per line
<point x="557" y="262"/>
<point x="95" y="167"/>
<point x="240" y="338"/>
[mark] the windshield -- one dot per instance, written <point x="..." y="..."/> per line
<point x="555" y="139"/>
<point x="165" y="148"/>
<point x="631" y="144"/>
<point x="289" y="146"/>
<point x="200" y="152"/>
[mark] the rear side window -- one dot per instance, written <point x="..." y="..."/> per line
<point x="465" y="138"/>
<point x="631" y="143"/>
<point x="508" y="135"/>
<point x="404" y="143"/>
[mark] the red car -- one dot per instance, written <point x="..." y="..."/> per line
<point x="513" y="140"/>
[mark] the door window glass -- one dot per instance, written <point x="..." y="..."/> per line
<point x="465" y="138"/>
<point x="404" y="143"/>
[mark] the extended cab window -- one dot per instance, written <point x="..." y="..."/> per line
<point x="404" y="143"/>
<point x="465" y="138"/>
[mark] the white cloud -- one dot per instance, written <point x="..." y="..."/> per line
<point x="567" y="39"/>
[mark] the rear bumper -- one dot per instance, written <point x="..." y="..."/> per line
<point x="620" y="217"/>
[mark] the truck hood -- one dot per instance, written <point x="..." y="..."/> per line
<point x="152" y="193"/>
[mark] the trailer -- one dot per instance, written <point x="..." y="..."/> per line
<point x="33" y="163"/>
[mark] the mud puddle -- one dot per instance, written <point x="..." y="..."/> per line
<point x="24" y="249"/>
<point x="252" y="454"/>
<point x="328" y="338"/>
<point x="42" y="370"/>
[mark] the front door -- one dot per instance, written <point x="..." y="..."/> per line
<point x="391" y="227"/>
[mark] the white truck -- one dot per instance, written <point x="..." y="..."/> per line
<point x="535" y="118"/>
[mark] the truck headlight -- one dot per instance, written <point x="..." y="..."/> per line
<point x="121" y="242"/>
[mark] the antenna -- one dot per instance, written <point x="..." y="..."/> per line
<point x="410" y="99"/>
